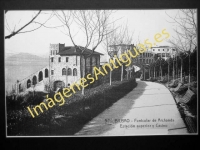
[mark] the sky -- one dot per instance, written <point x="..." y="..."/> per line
<point x="144" y="23"/>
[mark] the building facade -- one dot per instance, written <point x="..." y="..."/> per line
<point x="147" y="57"/>
<point x="66" y="66"/>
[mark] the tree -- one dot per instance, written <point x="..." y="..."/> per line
<point x="125" y="38"/>
<point x="168" y="61"/>
<point x="186" y="31"/>
<point x="93" y="24"/>
<point x="155" y="63"/>
<point x="114" y="43"/>
<point x="13" y="31"/>
<point x="110" y="43"/>
<point x="162" y="62"/>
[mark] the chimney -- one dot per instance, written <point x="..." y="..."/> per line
<point x="61" y="47"/>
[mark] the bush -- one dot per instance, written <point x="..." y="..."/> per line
<point x="21" y="101"/>
<point x="77" y="111"/>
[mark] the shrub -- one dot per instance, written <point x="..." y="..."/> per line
<point x="77" y="111"/>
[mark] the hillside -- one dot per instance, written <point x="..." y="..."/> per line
<point x="21" y="65"/>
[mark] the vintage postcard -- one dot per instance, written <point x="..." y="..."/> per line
<point x="101" y="72"/>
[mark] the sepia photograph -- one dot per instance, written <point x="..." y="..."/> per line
<point x="100" y="72"/>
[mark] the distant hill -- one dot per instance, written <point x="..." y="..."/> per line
<point x="19" y="66"/>
<point x="25" y="58"/>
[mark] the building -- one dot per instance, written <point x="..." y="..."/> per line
<point x="148" y="56"/>
<point x="65" y="67"/>
<point x="119" y="49"/>
<point x="164" y="51"/>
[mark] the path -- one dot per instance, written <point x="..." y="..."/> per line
<point x="147" y="102"/>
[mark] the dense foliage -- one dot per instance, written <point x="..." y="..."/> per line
<point x="68" y="118"/>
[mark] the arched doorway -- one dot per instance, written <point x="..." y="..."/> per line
<point x="58" y="84"/>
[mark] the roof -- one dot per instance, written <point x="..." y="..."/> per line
<point x="70" y="50"/>
<point x="163" y="47"/>
<point x="121" y="45"/>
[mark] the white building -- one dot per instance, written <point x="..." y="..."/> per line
<point x="65" y="67"/>
<point x="148" y="56"/>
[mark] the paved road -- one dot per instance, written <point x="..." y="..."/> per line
<point x="149" y="109"/>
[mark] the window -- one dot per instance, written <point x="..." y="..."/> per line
<point x="167" y="49"/>
<point x="69" y="71"/>
<point x="74" y="72"/>
<point x="153" y="49"/>
<point x="51" y="59"/>
<point x="64" y="71"/>
<point x="40" y="76"/>
<point x="59" y="59"/>
<point x="20" y="88"/>
<point x="167" y="54"/>
<point x="158" y="49"/>
<point x="28" y="83"/>
<point x="46" y="73"/>
<point x="52" y="72"/>
<point x="67" y="59"/>
<point x="163" y="49"/>
<point x="34" y="80"/>
<point x="163" y="54"/>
